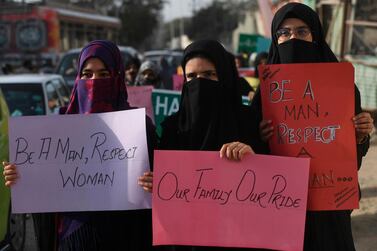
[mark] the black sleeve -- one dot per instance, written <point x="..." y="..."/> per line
<point x="362" y="149"/>
<point x="169" y="137"/>
<point x="151" y="139"/>
<point x="256" y="114"/>
<point x="245" y="87"/>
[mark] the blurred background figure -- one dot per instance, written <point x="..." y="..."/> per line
<point x="131" y="69"/>
<point x="149" y="74"/>
<point x="260" y="59"/>
<point x="166" y="73"/>
<point x="7" y="69"/>
<point x="245" y="88"/>
<point x="239" y="60"/>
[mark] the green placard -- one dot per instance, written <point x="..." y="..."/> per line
<point x="165" y="103"/>
<point x="249" y="43"/>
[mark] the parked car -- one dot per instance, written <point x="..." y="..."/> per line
<point x="173" y="58"/>
<point x="67" y="66"/>
<point x="34" y="94"/>
<point x="12" y="226"/>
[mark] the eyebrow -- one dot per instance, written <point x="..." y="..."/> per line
<point x="201" y="72"/>
<point x="290" y="27"/>
<point x="100" y="70"/>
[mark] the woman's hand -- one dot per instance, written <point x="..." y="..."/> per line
<point x="146" y="181"/>
<point x="266" y="130"/>
<point x="364" y="125"/>
<point x="250" y="96"/>
<point x="10" y="174"/>
<point x="235" y="150"/>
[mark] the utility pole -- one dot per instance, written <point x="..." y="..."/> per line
<point x="344" y="29"/>
<point x="193" y="7"/>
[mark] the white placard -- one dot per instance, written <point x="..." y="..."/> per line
<point x="79" y="162"/>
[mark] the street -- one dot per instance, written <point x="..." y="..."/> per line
<point x="364" y="220"/>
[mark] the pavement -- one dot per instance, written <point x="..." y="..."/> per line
<point x="364" y="219"/>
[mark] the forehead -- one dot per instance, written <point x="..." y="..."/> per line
<point x="199" y="64"/>
<point x="292" y="22"/>
<point x="93" y="64"/>
<point x="148" y="71"/>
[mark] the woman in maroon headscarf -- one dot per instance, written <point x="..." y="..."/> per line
<point x="99" y="87"/>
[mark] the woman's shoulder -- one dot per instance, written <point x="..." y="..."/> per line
<point x="170" y="121"/>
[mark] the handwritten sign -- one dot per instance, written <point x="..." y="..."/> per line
<point x="311" y="106"/>
<point x="259" y="202"/>
<point x="141" y="96"/>
<point x="79" y="162"/>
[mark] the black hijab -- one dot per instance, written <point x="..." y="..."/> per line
<point x="209" y="112"/>
<point x="324" y="54"/>
<point x="310" y="17"/>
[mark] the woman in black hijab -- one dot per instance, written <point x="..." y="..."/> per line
<point x="211" y="113"/>
<point x="298" y="38"/>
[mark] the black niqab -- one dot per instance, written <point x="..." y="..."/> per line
<point x="209" y="112"/>
<point x="310" y="17"/>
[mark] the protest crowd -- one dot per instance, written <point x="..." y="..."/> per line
<point x="243" y="132"/>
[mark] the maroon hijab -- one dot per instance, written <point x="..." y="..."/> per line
<point x="100" y="95"/>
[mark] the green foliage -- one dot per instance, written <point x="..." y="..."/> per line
<point x="140" y="19"/>
<point x="215" y="21"/>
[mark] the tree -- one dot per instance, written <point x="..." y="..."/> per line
<point x="215" y="21"/>
<point x="218" y="20"/>
<point x="140" y="20"/>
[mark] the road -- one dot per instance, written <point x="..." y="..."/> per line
<point x="364" y="220"/>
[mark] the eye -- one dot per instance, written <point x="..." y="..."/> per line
<point x="190" y="76"/>
<point x="283" y="32"/>
<point x="303" y="32"/>
<point x="104" y="74"/>
<point x="209" y="74"/>
<point x="86" y="75"/>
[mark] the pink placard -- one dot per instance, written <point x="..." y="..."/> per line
<point x="177" y="82"/>
<point x="141" y="96"/>
<point x="200" y="199"/>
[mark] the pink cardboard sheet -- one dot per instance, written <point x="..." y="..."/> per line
<point x="200" y="199"/>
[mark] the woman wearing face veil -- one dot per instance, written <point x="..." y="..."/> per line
<point x="99" y="87"/>
<point x="298" y="38"/>
<point x="210" y="113"/>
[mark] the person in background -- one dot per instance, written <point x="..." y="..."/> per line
<point x="99" y="87"/>
<point x="298" y="38"/>
<point x="239" y="60"/>
<point x="245" y="88"/>
<point x="149" y="74"/>
<point x="260" y="59"/>
<point x="131" y="67"/>
<point x="166" y="73"/>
